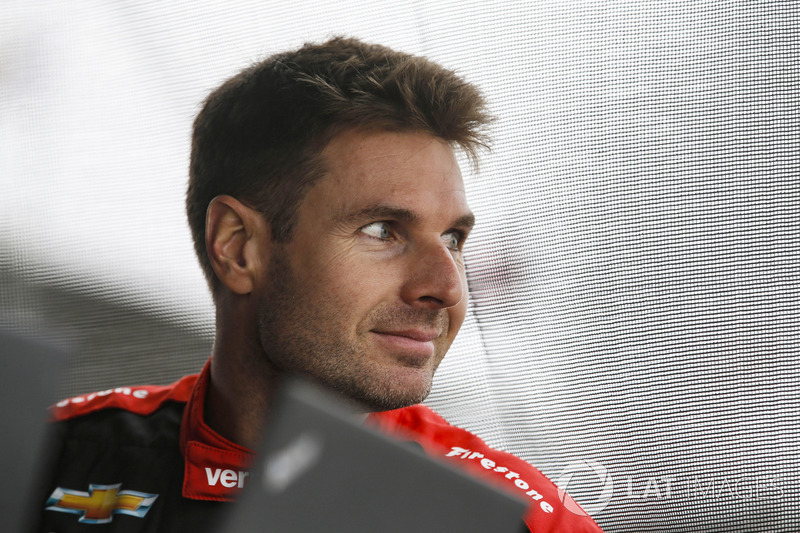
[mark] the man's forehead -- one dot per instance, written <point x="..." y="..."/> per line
<point x="366" y="172"/>
<point x="384" y="199"/>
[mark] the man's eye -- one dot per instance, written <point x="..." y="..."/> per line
<point x="379" y="230"/>
<point x="452" y="239"/>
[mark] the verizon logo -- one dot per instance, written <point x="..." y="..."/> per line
<point x="227" y="478"/>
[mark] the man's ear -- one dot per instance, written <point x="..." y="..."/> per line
<point x="237" y="238"/>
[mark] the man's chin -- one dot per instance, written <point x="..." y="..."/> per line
<point x="377" y="405"/>
<point x="398" y="394"/>
<point x="391" y="391"/>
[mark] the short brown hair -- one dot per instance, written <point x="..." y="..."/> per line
<point x="259" y="135"/>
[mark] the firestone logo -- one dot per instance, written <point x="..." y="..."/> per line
<point x="139" y="394"/>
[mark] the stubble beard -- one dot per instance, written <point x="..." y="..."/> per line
<point x="301" y="333"/>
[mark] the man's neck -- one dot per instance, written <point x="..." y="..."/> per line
<point x="236" y="408"/>
<point x="240" y="383"/>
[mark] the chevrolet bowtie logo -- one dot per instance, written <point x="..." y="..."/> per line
<point x="101" y="502"/>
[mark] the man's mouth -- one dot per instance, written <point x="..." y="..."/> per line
<point x="415" y="345"/>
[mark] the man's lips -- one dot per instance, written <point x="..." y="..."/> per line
<point x="415" y="344"/>
<point x="419" y="335"/>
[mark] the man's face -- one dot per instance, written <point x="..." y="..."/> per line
<point x="371" y="291"/>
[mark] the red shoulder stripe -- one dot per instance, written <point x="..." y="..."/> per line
<point x="550" y="509"/>
<point x="421" y="423"/>
<point x="143" y="400"/>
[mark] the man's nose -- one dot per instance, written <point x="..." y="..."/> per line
<point x="435" y="278"/>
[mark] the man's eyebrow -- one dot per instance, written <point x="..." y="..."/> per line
<point x="377" y="212"/>
<point x="381" y="211"/>
<point x="466" y="221"/>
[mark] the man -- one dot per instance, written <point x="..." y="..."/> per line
<point x="329" y="216"/>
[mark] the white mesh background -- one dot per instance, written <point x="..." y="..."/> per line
<point x="634" y="274"/>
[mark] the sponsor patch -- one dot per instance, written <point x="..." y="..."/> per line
<point x="101" y="503"/>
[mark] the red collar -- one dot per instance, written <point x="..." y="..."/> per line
<point x="215" y="468"/>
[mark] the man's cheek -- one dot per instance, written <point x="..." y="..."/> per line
<point x="457" y="315"/>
